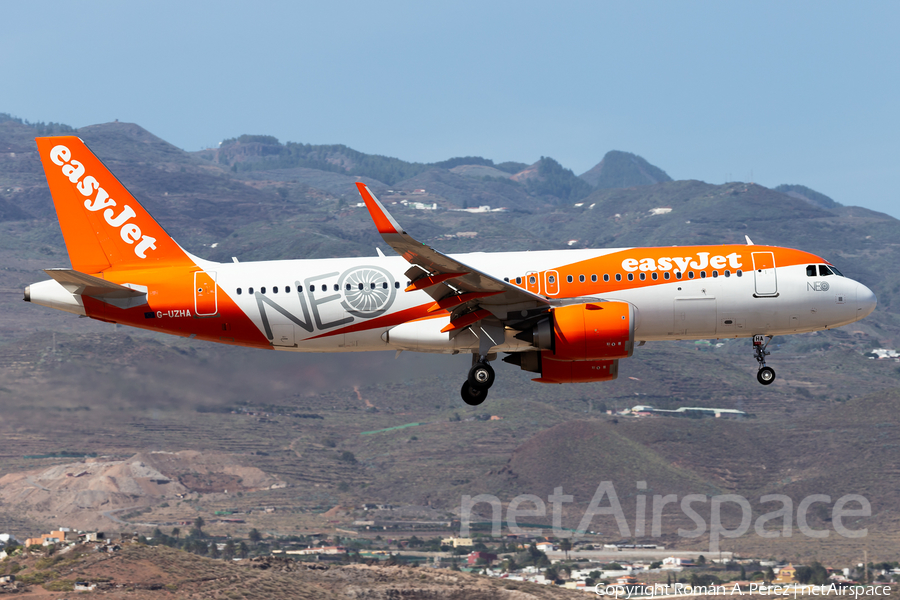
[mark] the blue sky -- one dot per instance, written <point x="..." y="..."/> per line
<point x="799" y="92"/>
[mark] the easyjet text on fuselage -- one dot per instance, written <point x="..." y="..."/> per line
<point x="699" y="261"/>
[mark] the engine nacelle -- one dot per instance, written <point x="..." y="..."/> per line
<point x="564" y="371"/>
<point x="592" y="331"/>
<point x="576" y="371"/>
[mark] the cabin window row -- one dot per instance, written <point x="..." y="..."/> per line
<point x="532" y="279"/>
<point x="313" y="288"/>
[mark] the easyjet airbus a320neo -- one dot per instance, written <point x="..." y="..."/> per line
<point x="567" y="315"/>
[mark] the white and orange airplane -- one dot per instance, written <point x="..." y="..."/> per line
<point x="568" y="315"/>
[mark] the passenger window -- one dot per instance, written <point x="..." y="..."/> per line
<point x="643" y="276"/>
<point x="594" y="278"/>
<point x="287" y="289"/>
<point x="811" y="270"/>
<point x="666" y="275"/>
<point x="518" y="280"/>
<point x="690" y="274"/>
<point x="654" y="276"/>
<point x="740" y="273"/>
<point x="532" y="280"/>
<point x="678" y="275"/>
<point x="299" y="288"/>
<point x="397" y="285"/>
<point x="702" y="274"/>
<point x="348" y="287"/>
<point x="569" y="278"/>
<point x="631" y="277"/>
<point x="605" y="277"/>
<point x="581" y="278"/>
<point x="506" y="279"/>
<point x="324" y="288"/>
<point x="384" y="285"/>
<point x="715" y="274"/>
<point x="262" y="290"/>
<point x="618" y="277"/>
<point x="551" y="279"/>
<point x="274" y="289"/>
<point x="727" y="273"/>
<point x="250" y="291"/>
<point x="824" y="271"/>
<point x="337" y="287"/>
<point x="239" y="291"/>
<point x="372" y="286"/>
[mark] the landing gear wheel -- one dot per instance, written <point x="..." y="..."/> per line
<point x="481" y="375"/>
<point x="473" y="396"/>
<point x="766" y="375"/>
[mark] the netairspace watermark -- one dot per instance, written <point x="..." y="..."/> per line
<point x="758" y="589"/>
<point x="605" y="503"/>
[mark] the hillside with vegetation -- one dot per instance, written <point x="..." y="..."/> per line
<point x="827" y="425"/>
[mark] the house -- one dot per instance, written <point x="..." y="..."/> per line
<point x="546" y="546"/>
<point x="786" y="574"/>
<point x="456" y="542"/>
<point x="577" y="585"/>
<point x="54" y="537"/>
<point x="626" y="580"/>
<point x="673" y="562"/>
<point x="474" y="557"/>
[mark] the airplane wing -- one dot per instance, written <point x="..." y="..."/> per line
<point x="468" y="293"/>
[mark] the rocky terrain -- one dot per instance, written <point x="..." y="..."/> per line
<point x="144" y="572"/>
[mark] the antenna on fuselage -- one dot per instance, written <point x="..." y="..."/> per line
<point x="749" y="241"/>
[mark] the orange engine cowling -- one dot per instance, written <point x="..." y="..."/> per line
<point x="593" y="331"/>
<point x="576" y="371"/>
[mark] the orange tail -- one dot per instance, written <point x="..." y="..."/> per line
<point x="102" y="223"/>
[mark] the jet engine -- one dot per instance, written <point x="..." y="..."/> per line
<point x="579" y="342"/>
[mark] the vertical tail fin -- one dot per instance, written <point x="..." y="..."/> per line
<point x="103" y="225"/>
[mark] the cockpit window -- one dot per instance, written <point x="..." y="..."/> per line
<point x="811" y="271"/>
<point x="824" y="271"/>
<point x="836" y="272"/>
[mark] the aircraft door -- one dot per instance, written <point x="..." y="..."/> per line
<point x="205" y="299"/>
<point x="551" y="282"/>
<point x="533" y="282"/>
<point x="764" y="273"/>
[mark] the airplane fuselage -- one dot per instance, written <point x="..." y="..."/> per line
<point x="352" y="304"/>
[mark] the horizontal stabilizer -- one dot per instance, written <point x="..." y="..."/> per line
<point x="77" y="282"/>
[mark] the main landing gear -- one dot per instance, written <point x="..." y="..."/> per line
<point x="765" y="375"/>
<point x="481" y="378"/>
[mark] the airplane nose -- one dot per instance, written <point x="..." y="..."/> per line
<point x="865" y="301"/>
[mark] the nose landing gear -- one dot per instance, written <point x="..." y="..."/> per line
<point x="765" y="375"/>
